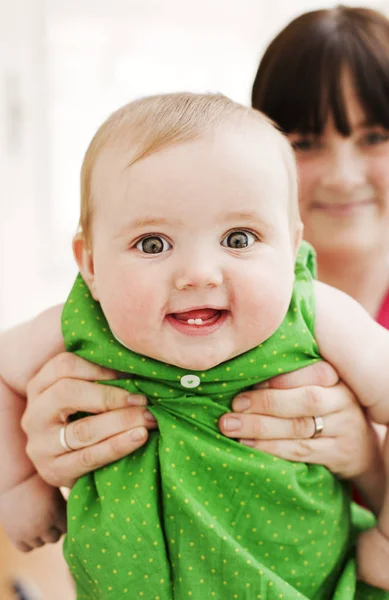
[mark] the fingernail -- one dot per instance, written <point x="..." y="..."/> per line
<point x="247" y="443"/>
<point x="136" y="400"/>
<point x="241" y="403"/>
<point x="137" y="434"/>
<point x="231" y="423"/>
<point x="150" y="418"/>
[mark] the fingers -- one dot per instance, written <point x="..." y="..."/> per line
<point x="118" y="414"/>
<point x="320" y="373"/>
<point x="67" y="396"/>
<point x="87" y="459"/>
<point x="23" y="547"/>
<point x="126" y="428"/>
<point x="260" y="427"/>
<point x="263" y="427"/>
<point x="293" y="403"/>
<point x="346" y="446"/>
<point x="51" y="536"/>
<point x="67" y="365"/>
<point x="92" y="430"/>
<point x="318" y="450"/>
<point x="279" y="422"/>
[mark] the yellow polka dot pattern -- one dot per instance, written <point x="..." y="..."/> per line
<point x="196" y="515"/>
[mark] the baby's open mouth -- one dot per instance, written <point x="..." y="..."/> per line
<point x="200" y="316"/>
<point x="206" y="320"/>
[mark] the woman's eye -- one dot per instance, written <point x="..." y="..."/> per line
<point x="373" y="138"/>
<point x="239" y="239"/>
<point x="153" y="244"/>
<point x="305" y="144"/>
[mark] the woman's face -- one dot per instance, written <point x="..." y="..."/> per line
<point x="344" y="185"/>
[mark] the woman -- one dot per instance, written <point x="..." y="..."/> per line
<point x="325" y="81"/>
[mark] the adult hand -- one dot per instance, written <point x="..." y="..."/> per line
<point x="278" y="418"/>
<point x="63" y="387"/>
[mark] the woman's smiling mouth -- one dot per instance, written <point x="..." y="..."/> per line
<point x="342" y="209"/>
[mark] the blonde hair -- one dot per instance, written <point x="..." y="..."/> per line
<point x="155" y="122"/>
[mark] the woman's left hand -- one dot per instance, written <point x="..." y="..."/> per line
<point x="277" y="418"/>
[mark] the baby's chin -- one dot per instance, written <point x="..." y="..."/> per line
<point x="203" y="361"/>
<point x="190" y="361"/>
<point x="189" y="356"/>
<point x="197" y="365"/>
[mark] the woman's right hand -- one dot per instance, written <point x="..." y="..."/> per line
<point x="277" y="417"/>
<point x="63" y="387"/>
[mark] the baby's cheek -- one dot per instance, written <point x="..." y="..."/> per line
<point x="130" y="315"/>
<point x="123" y="308"/>
<point x="268" y="302"/>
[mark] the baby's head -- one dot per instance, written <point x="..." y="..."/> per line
<point x="154" y="123"/>
<point x="189" y="227"/>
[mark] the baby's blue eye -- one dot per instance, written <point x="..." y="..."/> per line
<point x="239" y="239"/>
<point x="153" y="244"/>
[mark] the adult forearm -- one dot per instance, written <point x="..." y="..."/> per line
<point x="372" y="483"/>
<point x="383" y="520"/>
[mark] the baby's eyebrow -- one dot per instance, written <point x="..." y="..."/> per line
<point x="246" y="217"/>
<point x="145" y="222"/>
<point x="240" y="216"/>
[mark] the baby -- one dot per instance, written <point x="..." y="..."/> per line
<point x="195" y="285"/>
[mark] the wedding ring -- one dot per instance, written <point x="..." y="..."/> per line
<point x="62" y="439"/>
<point x="318" y="425"/>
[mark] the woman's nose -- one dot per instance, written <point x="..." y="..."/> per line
<point x="345" y="169"/>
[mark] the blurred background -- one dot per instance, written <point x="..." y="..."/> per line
<point x="65" y="65"/>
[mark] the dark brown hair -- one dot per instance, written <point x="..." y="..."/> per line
<point x="298" y="80"/>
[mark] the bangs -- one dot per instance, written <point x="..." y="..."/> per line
<point x="298" y="83"/>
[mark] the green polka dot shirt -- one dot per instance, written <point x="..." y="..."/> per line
<point x="193" y="514"/>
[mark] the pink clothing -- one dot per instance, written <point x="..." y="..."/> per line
<point x="383" y="313"/>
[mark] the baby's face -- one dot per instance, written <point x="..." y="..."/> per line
<point x="192" y="252"/>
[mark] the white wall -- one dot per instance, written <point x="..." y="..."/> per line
<point x="24" y="140"/>
<point x="64" y="65"/>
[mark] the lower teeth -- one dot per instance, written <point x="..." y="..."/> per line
<point x="195" y="321"/>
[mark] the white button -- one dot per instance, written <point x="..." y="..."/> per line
<point x="190" y="381"/>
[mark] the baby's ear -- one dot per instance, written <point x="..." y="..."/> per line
<point x="84" y="259"/>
